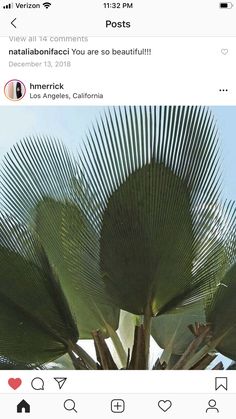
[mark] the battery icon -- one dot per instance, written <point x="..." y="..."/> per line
<point x="226" y="5"/>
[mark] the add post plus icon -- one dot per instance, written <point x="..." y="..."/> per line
<point x="117" y="406"/>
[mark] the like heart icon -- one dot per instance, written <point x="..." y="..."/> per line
<point x="164" y="405"/>
<point x="224" y="51"/>
<point x="14" y="383"/>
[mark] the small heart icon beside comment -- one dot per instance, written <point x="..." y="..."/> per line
<point x="14" y="383"/>
<point x="164" y="405"/>
<point x="224" y="51"/>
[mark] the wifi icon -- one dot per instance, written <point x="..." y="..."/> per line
<point x="47" y="4"/>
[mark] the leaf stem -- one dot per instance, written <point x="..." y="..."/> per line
<point x="147" y="323"/>
<point x="104" y="356"/>
<point x="77" y="362"/>
<point x="83" y="359"/>
<point x="85" y="356"/>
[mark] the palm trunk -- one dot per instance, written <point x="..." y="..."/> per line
<point x="147" y="323"/>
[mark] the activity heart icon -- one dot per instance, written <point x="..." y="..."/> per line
<point x="14" y="383"/>
<point x="164" y="405"/>
<point x="224" y="51"/>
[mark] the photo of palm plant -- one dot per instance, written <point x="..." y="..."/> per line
<point x="125" y="241"/>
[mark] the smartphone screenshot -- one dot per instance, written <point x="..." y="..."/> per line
<point x="117" y="209"/>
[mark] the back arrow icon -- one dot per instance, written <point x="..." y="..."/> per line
<point x="12" y="22"/>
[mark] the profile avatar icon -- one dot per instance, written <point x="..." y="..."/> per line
<point x="212" y="407"/>
<point x="14" y="90"/>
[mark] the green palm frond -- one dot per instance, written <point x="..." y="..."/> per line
<point x="216" y="250"/>
<point x="222" y="315"/>
<point x="171" y="331"/>
<point x="136" y="223"/>
<point x="43" y="189"/>
<point x="221" y="307"/>
<point x="62" y="363"/>
<point x="8" y="364"/>
<point x="33" y="169"/>
<point x="72" y="246"/>
<point x="35" y="321"/>
<point x="152" y="172"/>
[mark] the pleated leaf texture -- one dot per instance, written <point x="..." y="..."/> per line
<point x="42" y="189"/>
<point x="154" y="176"/>
<point x="222" y="315"/>
<point x="35" y="320"/>
<point x="127" y="224"/>
<point x="171" y="331"/>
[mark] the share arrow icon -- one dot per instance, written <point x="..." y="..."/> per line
<point x="60" y="381"/>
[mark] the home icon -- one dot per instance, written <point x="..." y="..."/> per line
<point x="23" y="406"/>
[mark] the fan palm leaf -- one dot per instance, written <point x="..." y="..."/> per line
<point x="71" y="245"/>
<point x="220" y="306"/>
<point x="151" y="173"/>
<point x="35" y="321"/>
<point x="136" y="224"/>
<point x="171" y="331"/>
<point x="35" y="168"/>
<point x="43" y="190"/>
<point x="7" y="364"/>
<point x="222" y="315"/>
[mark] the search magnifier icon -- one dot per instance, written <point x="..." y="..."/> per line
<point x="69" y="405"/>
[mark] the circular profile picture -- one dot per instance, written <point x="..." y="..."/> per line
<point x="14" y="90"/>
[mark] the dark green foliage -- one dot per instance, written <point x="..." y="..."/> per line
<point x="135" y="223"/>
<point x="35" y="321"/>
